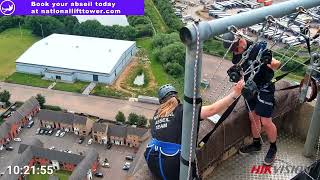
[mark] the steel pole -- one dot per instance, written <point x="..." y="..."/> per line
<point x="207" y="30"/>
<point x="188" y="108"/>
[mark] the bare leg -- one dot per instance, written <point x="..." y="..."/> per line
<point x="255" y="124"/>
<point x="270" y="129"/>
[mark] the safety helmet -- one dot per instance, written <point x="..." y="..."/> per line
<point x="228" y="37"/>
<point x="165" y="91"/>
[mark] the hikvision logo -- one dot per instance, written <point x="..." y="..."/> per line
<point x="277" y="169"/>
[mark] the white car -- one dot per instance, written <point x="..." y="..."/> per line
<point x="90" y="141"/>
<point x="38" y="130"/>
<point x="62" y="134"/>
<point x="52" y="148"/>
<point x="17" y="139"/>
<point x="58" y="133"/>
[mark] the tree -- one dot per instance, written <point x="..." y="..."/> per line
<point x="120" y="117"/>
<point x="10" y="22"/>
<point x="174" y="69"/>
<point x="91" y="28"/>
<point x="162" y="40"/>
<point x="70" y="22"/>
<point x="5" y="97"/>
<point x="174" y="53"/>
<point x="45" y="24"/>
<point x="142" y="122"/>
<point x="41" y="99"/>
<point x="133" y="119"/>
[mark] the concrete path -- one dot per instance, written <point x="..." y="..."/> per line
<point x="106" y="108"/>
<point x="89" y="88"/>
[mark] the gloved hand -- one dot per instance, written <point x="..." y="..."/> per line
<point x="235" y="73"/>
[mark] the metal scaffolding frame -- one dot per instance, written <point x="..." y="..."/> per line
<point x="193" y="37"/>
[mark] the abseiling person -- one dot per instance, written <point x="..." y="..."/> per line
<point x="163" y="151"/>
<point x="261" y="104"/>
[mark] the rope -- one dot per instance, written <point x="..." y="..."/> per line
<point x="194" y="98"/>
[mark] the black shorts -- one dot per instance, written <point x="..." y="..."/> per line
<point x="262" y="104"/>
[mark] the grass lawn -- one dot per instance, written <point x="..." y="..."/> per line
<point x="28" y="79"/>
<point x="161" y="76"/>
<point x="77" y="86"/>
<point x="63" y="175"/>
<point x="156" y="19"/>
<point x="106" y="91"/>
<point x="11" y="47"/>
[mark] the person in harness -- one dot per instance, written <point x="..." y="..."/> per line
<point x="261" y="104"/>
<point x="163" y="151"/>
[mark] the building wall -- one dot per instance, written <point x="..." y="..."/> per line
<point x="66" y="126"/>
<point x="98" y="136"/>
<point x="28" y="68"/>
<point x="80" y="128"/>
<point x="64" y="77"/>
<point x="114" y="140"/>
<point x="133" y="141"/>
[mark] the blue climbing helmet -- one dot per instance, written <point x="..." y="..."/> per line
<point x="166" y="91"/>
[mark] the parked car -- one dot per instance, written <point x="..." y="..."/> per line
<point x="58" y="133"/>
<point x="126" y="166"/>
<point x="105" y="163"/>
<point x="62" y="134"/>
<point x="81" y="139"/>
<point x="50" y="132"/>
<point x="38" y="131"/>
<point x="52" y="148"/>
<point x="98" y="174"/>
<point x="46" y="131"/>
<point x="90" y="141"/>
<point x="9" y="148"/>
<point x="129" y="158"/>
<point x="41" y="131"/>
<point x="17" y="139"/>
<point x="30" y="124"/>
<point x="109" y="145"/>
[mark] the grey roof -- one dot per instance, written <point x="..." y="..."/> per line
<point x="23" y="111"/>
<point x="4" y="130"/>
<point x="29" y="142"/>
<point x="117" y="130"/>
<point x="61" y="117"/>
<point x="80" y="172"/>
<point x="136" y="131"/>
<point x="99" y="127"/>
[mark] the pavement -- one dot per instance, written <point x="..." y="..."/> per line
<point x="102" y="107"/>
<point x="115" y="155"/>
<point x="89" y="88"/>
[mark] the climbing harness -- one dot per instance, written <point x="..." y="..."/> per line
<point x="164" y="149"/>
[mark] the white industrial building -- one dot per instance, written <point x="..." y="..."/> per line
<point x="70" y="58"/>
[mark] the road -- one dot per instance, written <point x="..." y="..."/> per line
<point x="105" y="108"/>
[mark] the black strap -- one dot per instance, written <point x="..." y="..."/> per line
<point x="186" y="162"/>
<point x="288" y="88"/>
<point x="190" y="100"/>
<point x="222" y="118"/>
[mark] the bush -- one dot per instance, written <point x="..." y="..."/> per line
<point x="174" y="69"/>
<point x="53" y="108"/>
<point x="41" y="99"/>
<point x="133" y="119"/>
<point x="120" y="117"/>
<point x="7" y="22"/>
<point x="46" y="24"/>
<point x="142" y="122"/>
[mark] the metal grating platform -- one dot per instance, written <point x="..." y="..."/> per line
<point x="289" y="157"/>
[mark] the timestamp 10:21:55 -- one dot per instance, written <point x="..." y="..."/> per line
<point x="25" y="170"/>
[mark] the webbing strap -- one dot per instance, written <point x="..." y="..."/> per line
<point x="222" y="118"/>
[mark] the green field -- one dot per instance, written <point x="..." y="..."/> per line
<point x="77" y="86"/>
<point x="105" y="91"/>
<point x="158" y="71"/>
<point x="63" y="175"/>
<point x="28" y="79"/>
<point x="152" y="12"/>
<point x="11" y="47"/>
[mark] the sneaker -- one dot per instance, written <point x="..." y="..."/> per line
<point x="270" y="157"/>
<point x="251" y="148"/>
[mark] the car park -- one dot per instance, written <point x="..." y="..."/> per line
<point x="17" y="139"/>
<point x="105" y="163"/>
<point x="98" y="174"/>
<point x="52" y="148"/>
<point x="38" y="131"/>
<point x="46" y="131"/>
<point x="41" y="131"/>
<point x="50" y="132"/>
<point x="126" y="166"/>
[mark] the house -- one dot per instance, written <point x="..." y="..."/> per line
<point x="126" y="135"/>
<point x="31" y="152"/>
<point x="117" y="134"/>
<point x="100" y="132"/>
<point x="135" y="136"/>
<point x="80" y="125"/>
<point x="12" y="125"/>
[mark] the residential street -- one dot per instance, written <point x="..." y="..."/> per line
<point x="105" y="108"/>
